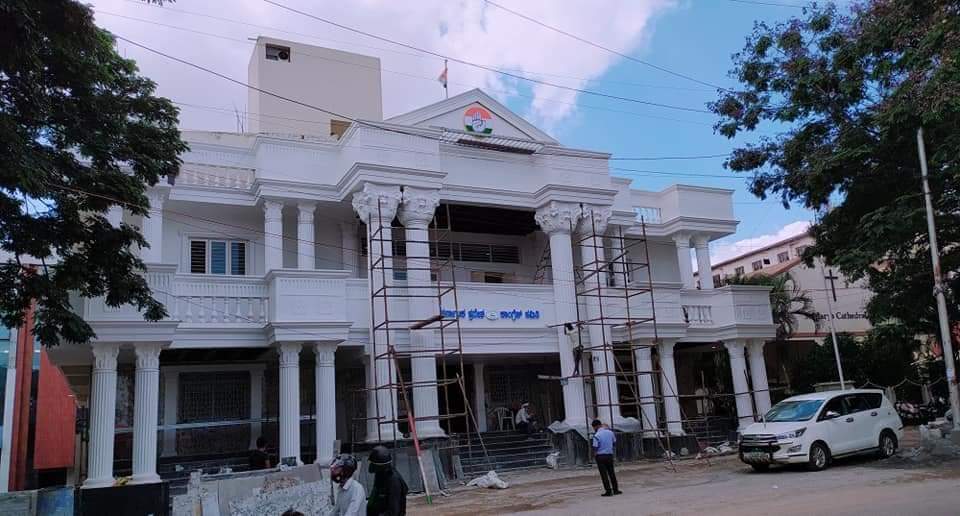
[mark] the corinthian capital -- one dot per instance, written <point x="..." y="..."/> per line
<point x="377" y="201"/>
<point x="418" y="206"/>
<point x="557" y="217"/>
<point x="594" y="219"/>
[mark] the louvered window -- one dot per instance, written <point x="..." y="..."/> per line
<point x="218" y="257"/>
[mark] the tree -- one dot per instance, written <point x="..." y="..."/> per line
<point x="787" y="301"/>
<point x="841" y="96"/>
<point x="80" y="131"/>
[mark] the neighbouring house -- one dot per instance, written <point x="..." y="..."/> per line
<point x="261" y="250"/>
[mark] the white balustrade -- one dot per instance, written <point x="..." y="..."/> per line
<point x="217" y="177"/>
<point x="700" y="315"/>
<point x="649" y="214"/>
<point x="227" y="299"/>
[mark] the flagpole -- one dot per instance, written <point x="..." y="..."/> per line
<point x="446" y="92"/>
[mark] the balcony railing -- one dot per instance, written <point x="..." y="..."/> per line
<point x="218" y="299"/>
<point x="649" y="214"/>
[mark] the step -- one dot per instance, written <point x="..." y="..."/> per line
<point x="536" y="456"/>
<point x="505" y="465"/>
<point x="478" y="452"/>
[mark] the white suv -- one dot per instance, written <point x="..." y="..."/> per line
<point x="816" y="428"/>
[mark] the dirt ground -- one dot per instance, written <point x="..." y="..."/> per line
<point x="916" y="481"/>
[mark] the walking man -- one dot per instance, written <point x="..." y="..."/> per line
<point x="603" y="441"/>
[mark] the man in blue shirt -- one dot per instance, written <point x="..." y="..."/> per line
<point x="603" y="441"/>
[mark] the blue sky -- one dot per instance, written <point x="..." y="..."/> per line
<point x="692" y="37"/>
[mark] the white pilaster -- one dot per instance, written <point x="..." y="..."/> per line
<point x="350" y="248"/>
<point x="305" y="236"/>
<point x="617" y="264"/>
<point x="758" y="374"/>
<point x="704" y="269"/>
<point x="668" y="388"/>
<point x="103" y="408"/>
<point x="645" y="376"/>
<point x="289" y="400"/>
<point x="145" y="405"/>
<point x="376" y="205"/>
<point x="171" y="387"/>
<point x="557" y="220"/>
<point x="480" y="396"/>
<point x="593" y="224"/>
<point x="256" y="405"/>
<point x="738" y="370"/>
<point x="415" y="215"/>
<point x="152" y="229"/>
<point x="326" y="396"/>
<point x="682" y="241"/>
<point x="273" y="235"/>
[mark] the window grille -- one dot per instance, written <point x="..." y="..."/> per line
<point x="213" y="396"/>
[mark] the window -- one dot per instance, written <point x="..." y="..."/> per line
<point x="874" y="400"/>
<point x="801" y="249"/>
<point x="218" y="257"/>
<point x="278" y="53"/>
<point x="766" y="261"/>
<point x="738" y="271"/>
<point x="338" y="128"/>
<point x="757" y="265"/>
<point x="717" y="282"/>
<point x="836" y="405"/>
<point x="782" y="257"/>
<point x="857" y="403"/>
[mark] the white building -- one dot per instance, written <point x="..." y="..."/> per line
<point x="258" y="251"/>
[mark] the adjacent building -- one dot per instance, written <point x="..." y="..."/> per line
<point x="260" y="250"/>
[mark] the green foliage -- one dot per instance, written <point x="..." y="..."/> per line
<point x="80" y="131"/>
<point x="884" y="357"/>
<point x="842" y="96"/>
<point x="787" y="300"/>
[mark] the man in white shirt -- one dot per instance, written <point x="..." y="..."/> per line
<point x="351" y="496"/>
<point x="522" y="419"/>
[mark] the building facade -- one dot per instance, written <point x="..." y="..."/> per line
<point x="260" y="250"/>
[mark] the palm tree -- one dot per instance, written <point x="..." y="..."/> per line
<point x="787" y="301"/>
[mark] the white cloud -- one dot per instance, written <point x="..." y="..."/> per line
<point x="468" y="29"/>
<point x="724" y="251"/>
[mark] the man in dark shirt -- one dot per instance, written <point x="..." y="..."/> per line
<point x="389" y="494"/>
<point x="259" y="458"/>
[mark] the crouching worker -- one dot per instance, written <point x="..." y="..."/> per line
<point x="389" y="494"/>
<point x="351" y="495"/>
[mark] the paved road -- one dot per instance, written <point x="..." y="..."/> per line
<point x="905" y="485"/>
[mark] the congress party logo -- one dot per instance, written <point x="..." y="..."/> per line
<point x="478" y="120"/>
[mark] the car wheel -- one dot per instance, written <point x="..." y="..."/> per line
<point x="760" y="468"/>
<point x="888" y="444"/>
<point x="819" y="457"/>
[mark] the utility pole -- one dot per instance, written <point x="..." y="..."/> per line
<point x="938" y="287"/>
<point x="833" y="327"/>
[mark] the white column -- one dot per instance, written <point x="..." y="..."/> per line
<point x="376" y="205"/>
<point x="480" y="396"/>
<point x="256" y="405"/>
<point x="326" y="397"/>
<point x="305" y="236"/>
<point x="617" y="264"/>
<point x="682" y="241"/>
<point x="645" y="376"/>
<point x="557" y="220"/>
<point x="738" y="370"/>
<point x="152" y="229"/>
<point x="103" y="413"/>
<point x="704" y="269"/>
<point x="115" y="216"/>
<point x="349" y="247"/>
<point x="273" y="235"/>
<point x="758" y="374"/>
<point x="416" y="214"/>
<point x="145" y="406"/>
<point x="593" y="224"/>
<point x="289" y="400"/>
<point x="669" y="389"/>
<point x="171" y="386"/>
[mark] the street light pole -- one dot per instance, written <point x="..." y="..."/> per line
<point x="938" y="287"/>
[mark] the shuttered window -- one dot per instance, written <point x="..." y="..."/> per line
<point x="218" y="257"/>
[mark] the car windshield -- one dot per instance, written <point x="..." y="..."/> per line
<point x="786" y="411"/>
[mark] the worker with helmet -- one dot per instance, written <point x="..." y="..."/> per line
<point x="389" y="494"/>
<point x="350" y="494"/>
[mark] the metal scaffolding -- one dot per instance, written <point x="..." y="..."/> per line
<point x="394" y="297"/>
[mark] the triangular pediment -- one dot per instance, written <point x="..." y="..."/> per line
<point x="474" y="112"/>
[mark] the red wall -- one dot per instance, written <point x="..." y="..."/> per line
<point x="56" y="418"/>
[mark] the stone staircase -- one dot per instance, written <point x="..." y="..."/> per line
<point x="710" y="431"/>
<point x="505" y="451"/>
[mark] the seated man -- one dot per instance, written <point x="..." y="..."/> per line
<point x="523" y="419"/>
<point x="259" y="458"/>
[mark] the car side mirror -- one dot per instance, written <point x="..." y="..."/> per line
<point x="831" y="414"/>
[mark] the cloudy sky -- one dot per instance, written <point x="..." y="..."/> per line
<point x="689" y="37"/>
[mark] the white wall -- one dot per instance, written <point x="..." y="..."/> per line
<point x="182" y="221"/>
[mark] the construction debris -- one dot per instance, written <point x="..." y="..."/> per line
<point x="553" y="460"/>
<point x="255" y="493"/>
<point x="490" y="480"/>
